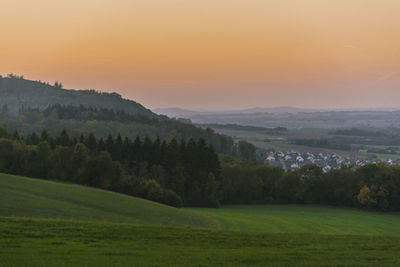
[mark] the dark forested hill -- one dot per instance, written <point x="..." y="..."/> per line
<point x="31" y="106"/>
<point x="16" y="92"/>
<point x="104" y="122"/>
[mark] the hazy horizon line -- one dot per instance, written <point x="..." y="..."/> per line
<point x="276" y="107"/>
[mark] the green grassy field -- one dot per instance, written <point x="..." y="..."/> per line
<point x="26" y="197"/>
<point x="99" y="228"/>
<point x="303" y="219"/>
<point x="44" y="242"/>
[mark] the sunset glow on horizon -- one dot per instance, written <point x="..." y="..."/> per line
<point x="211" y="54"/>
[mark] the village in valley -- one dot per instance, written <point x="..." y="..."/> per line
<point x="292" y="160"/>
<point x="329" y="149"/>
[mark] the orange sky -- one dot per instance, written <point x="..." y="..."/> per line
<point x="211" y="53"/>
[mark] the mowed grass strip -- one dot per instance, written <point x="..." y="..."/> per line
<point x="303" y="219"/>
<point x="26" y="197"/>
<point x="46" y="242"/>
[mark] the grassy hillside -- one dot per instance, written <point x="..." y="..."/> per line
<point x="304" y="219"/>
<point x="16" y="92"/>
<point x="27" y="197"/>
<point x="156" y="235"/>
<point x="38" y="242"/>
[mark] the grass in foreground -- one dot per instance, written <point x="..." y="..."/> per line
<point x="41" y="242"/>
<point x="303" y="219"/>
<point x="285" y="235"/>
<point x="26" y="197"/>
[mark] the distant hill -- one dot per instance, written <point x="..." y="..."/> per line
<point x="186" y="113"/>
<point x="16" y="92"/>
<point x="175" y="112"/>
<point x="26" y="197"/>
<point x="292" y="118"/>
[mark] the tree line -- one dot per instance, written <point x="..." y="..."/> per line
<point x="174" y="173"/>
<point x="103" y="122"/>
<point x="190" y="173"/>
<point x="373" y="186"/>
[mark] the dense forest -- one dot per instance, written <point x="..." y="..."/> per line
<point x="103" y="122"/>
<point x="175" y="173"/>
<point x="190" y="173"/>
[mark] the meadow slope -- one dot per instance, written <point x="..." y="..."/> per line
<point x="81" y="226"/>
<point x="26" y="197"/>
